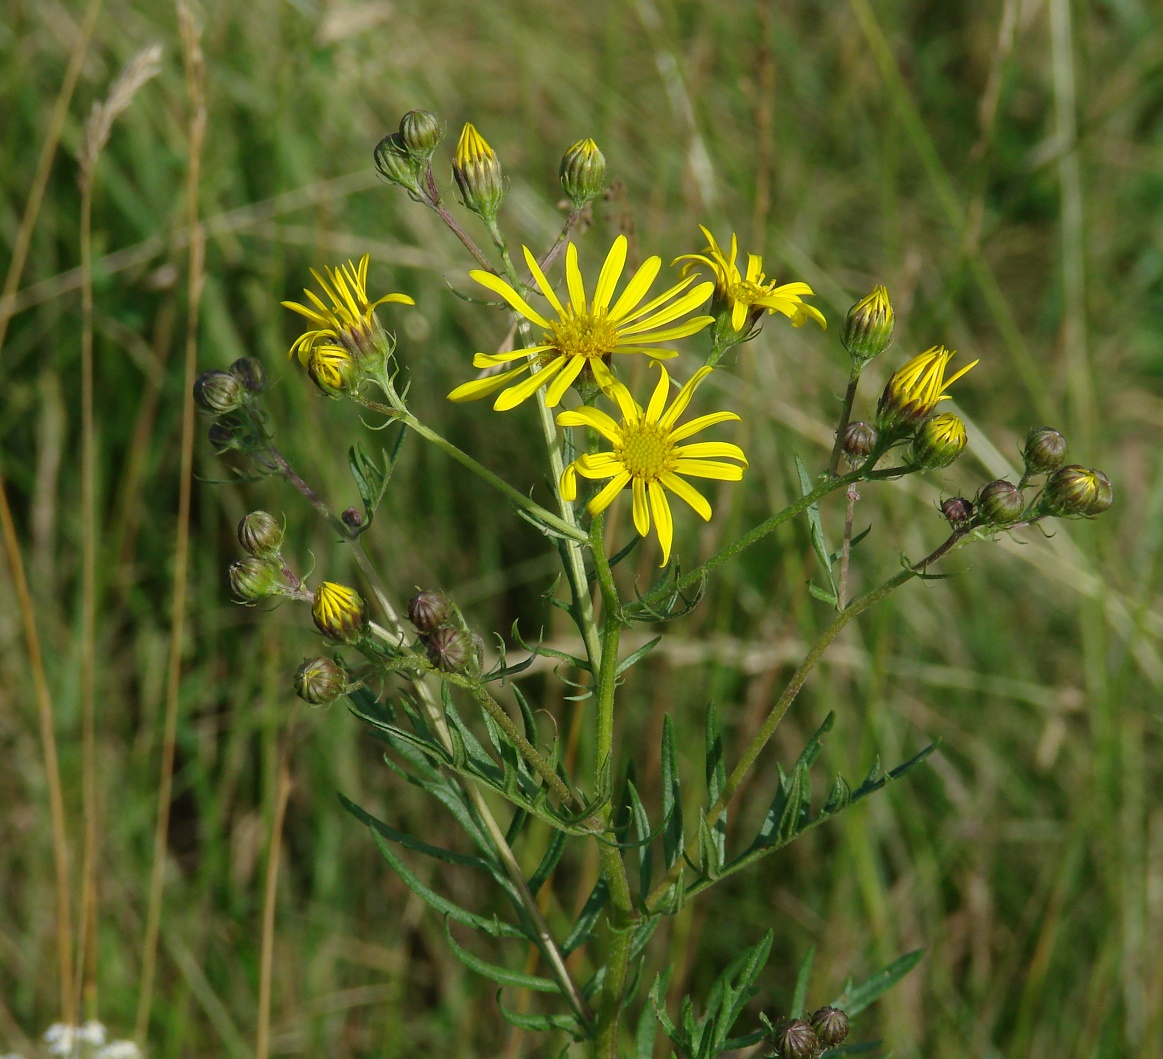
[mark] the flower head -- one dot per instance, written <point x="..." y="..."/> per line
<point x="583" y="173"/>
<point x="477" y="170"/>
<point x="649" y="455"/>
<point x="914" y="390"/>
<point x="1077" y="491"/>
<point x="869" y="325"/>
<point x="349" y="321"/>
<point x="938" y="442"/>
<point x="339" y="612"/>
<point x="746" y="296"/>
<point x="586" y="330"/>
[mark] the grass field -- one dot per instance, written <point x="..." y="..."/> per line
<point x="999" y="166"/>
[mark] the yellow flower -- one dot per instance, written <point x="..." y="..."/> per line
<point x="648" y="454"/>
<point x="331" y="369"/>
<point x="914" y="390"/>
<point x="339" y="612"/>
<point x="586" y="330"/>
<point x="350" y="320"/>
<point x="751" y="294"/>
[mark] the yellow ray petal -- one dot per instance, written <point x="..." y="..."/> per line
<point x="499" y="286"/>
<point x="662" y="519"/>
<point x="686" y="491"/>
<point x="723" y="472"/>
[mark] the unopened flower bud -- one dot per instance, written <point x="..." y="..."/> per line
<point x="868" y="327"/>
<point x="958" y="512"/>
<point x="938" y="442"/>
<point x="913" y="392"/>
<point x="218" y="392"/>
<point x="428" y="610"/>
<point x="477" y="170"/>
<point x="320" y="681"/>
<point x="253" y="579"/>
<point x="449" y="649"/>
<point x="224" y="435"/>
<point x="1077" y="491"/>
<point x="249" y="372"/>
<point x="339" y="612"/>
<point x="396" y="163"/>
<point x="1045" y="450"/>
<point x="260" y="535"/>
<point x="795" y="1039"/>
<point x="831" y="1026"/>
<point x="583" y="173"/>
<point x="332" y="369"/>
<point x="1001" y="503"/>
<point x="859" y="441"/>
<point x="352" y="518"/>
<point x="420" y="134"/>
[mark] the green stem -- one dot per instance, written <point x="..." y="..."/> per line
<point x="435" y="714"/>
<point x="515" y="496"/>
<point x="842" y="425"/>
<point x="622" y="916"/>
<point x="659" y="894"/>
<point x="642" y="607"/>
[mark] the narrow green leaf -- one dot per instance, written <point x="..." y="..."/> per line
<point x="644" y="1036"/>
<point x="643" y="839"/>
<point x="636" y="656"/>
<point x="824" y="595"/>
<point x="497" y="973"/>
<point x="672" y="832"/>
<point x="855" y="999"/>
<point x="816" y="524"/>
<point x="840" y="797"/>
<point x="811" y="751"/>
<point x="587" y="917"/>
<point x="716" y="773"/>
<point x="402" y="838"/>
<point x="468" y="919"/>
<point x="878" y="778"/>
<point x="541" y="1023"/>
<point x="549" y="861"/>
<point x="835" y="556"/>
<point x="799" y="1000"/>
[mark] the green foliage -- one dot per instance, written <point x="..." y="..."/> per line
<point x="853" y="151"/>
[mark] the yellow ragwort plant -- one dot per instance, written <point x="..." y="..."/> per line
<point x="458" y="722"/>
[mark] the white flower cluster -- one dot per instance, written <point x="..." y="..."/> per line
<point x="71" y="1041"/>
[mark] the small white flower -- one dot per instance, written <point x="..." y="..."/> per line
<point x="63" y="1040"/>
<point x="119" y="1050"/>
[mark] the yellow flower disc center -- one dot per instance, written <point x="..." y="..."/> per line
<point x="645" y="452"/>
<point x="589" y="335"/>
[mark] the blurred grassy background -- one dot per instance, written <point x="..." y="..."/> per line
<point x="998" y="165"/>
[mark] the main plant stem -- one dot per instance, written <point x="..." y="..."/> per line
<point x="622" y="915"/>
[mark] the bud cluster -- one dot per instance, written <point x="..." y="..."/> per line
<point x="230" y="396"/>
<point x="262" y="574"/>
<point x="1070" y="491"/>
<point x="403" y="157"/>
<point x="447" y="641"/>
<point x="809" y="1038"/>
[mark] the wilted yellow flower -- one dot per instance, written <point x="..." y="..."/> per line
<point x="339" y="612"/>
<point x="648" y="454"/>
<point x="914" y="390"/>
<point x="751" y="294"/>
<point x="586" y="330"/>
<point x="350" y="320"/>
